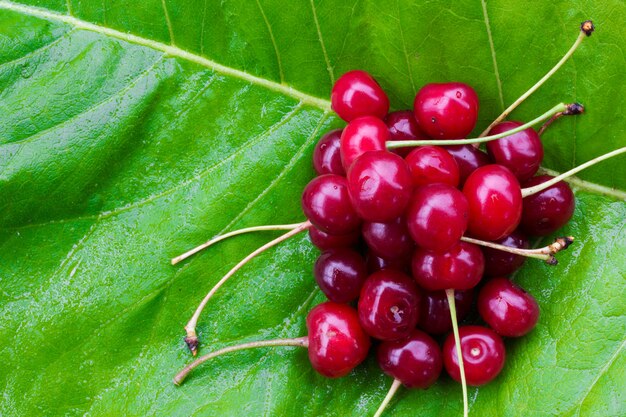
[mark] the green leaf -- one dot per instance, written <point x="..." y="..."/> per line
<point x="133" y="131"/>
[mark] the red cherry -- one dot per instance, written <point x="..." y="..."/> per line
<point x="389" y="240"/>
<point x="340" y="274"/>
<point x="327" y="155"/>
<point x="323" y="240"/>
<point x="468" y="158"/>
<point x="500" y="263"/>
<point x="356" y="94"/>
<point x="432" y="164"/>
<point x="415" y="361"/>
<point x="547" y="211"/>
<point x="376" y="263"/>
<point x="380" y="186"/>
<point x="337" y="343"/>
<point x="362" y="135"/>
<point x="446" y="111"/>
<point x="521" y="152"/>
<point x="507" y="308"/>
<point x="437" y="216"/>
<point x="403" y="126"/>
<point x="495" y="202"/>
<point x="483" y="355"/>
<point x="435" y="311"/>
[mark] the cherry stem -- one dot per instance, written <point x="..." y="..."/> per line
<point x="561" y="107"/>
<point x="546" y="253"/>
<point x="540" y="187"/>
<point x="459" y="354"/>
<point x="586" y="28"/>
<point x="392" y="391"/>
<point x="192" y="339"/>
<point x="298" y="341"/>
<point x="573" y="110"/>
<point x="231" y="234"/>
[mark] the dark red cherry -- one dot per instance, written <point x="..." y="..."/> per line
<point x="459" y="268"/>
<point x="362" y="135"/>
<point x="326" y="203"/>
<point x="547" y="211"/>
<point x="327" y="154"/>
<point x="337" y="343"/>
<point x="432" y="164"/>
<point x="380" y="186"/>
<point x="389" y="305"/>
<point x="495" y="202"/>
<point x="500" y="263"/>
<point x="340" y="274"/>
<point x="389" y="240"/>
<point x="468" y="158"/>
<point x="356" y="94"/>
<point x="507" y="308"/>
<point x="446" y="111"/>
<point x="435" y="311"/>
<point x="377" y="263"/>
<point x="403" y="126"/>
<point x="323" y="240"/>
<point x="415" y="361"/>
<point x="437" y="216"/>
<point x="483" y="355"/>
<point x="521" y="152"/>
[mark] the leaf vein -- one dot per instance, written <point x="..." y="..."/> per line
<point x="493" y="53"/>
<point x="329" y="67"/>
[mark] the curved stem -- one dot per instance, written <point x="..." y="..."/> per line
<point x="545" y="254"/>
<point x="540" y="187"/>
<point x="299" y="341"/>
<point x="231" y="234"/>
<point x="538" y="84"/>
<point x="392" y="391"/>
<point x="459" y="354"/>
<point x="561" y="107"/>
<point x="192" y="339"/>
<point x="573" y="110"/>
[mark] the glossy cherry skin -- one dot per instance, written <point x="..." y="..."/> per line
<point x="483" y="355"/>
<point x="415" y="361"/>
<point x="547" y="211"/>
<point x="403" y="126"/>
<point x="432" y="164"/>
<point x="468" y="158"/>
<point x="437" y="216"/>
<point x="435" y="311"/>
<point x="522" y="152"/>
<point x="377" y="263"/>
<point x="340" y="274"/>
<point x="327" y="154"/>
<point x="389" y="240"/>
<point x="507" y="308"/>
<point x="326" y="203"/>
<point x="389" y="305"/>
<point x="500" y="263"/>
<point x="323" y="240"/>
<point x="459" y="268"/>
<point x="362" y="135"/>
<point x="356" y="94"/>
<point x="337" y="343"/>
<point x="495" y="202"/>
<point x="446" y="111"/>
<point x="380" y="186"/>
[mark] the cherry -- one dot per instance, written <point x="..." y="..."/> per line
<point x="380" y="186"/>
<point x="389" y="240"/>
<point x="500" y="263"/>
<point x="435" y="311"/>
<point x="362" y="135"/>
<point x="446" y="111"/>
<point x="495" y="202"/>
<point x="415" y="361"/>
<point x="547" y="211"/>
<point x="340" y="274"/>
<point x="468" y="158"/>
<point x="356" y="94"/>
<point x="521" y="152"/>
<point x="483" y="355"/>
<point x="323" y="240"/>
<point x="389" y="305"/>
<point x="327" y="154"/>
<point x="507" y="308"/>
<point x="326" y="203"/>
<point x="432" y="164"/>
<point x="377" y="263"/>
<point x="459" y="268"/>
<point x="403" y="126"/>
<point x="437" y="216"/>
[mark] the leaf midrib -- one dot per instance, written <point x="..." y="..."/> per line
<point x="281" y="88"/>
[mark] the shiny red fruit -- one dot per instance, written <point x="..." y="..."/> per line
<point x="468" y="158"/>
<point x="521" y="152"/>
<point x="403" y="126"/>
<point x="460" y="268"/>
<point x="500" y="263"/>
<point x="362" y="135"/>
<point x="432" y="164"/>
<point x="356" y="94"/>
<point x="340" y="274"/>
<point x="390" y="240"/>
<point x="323" y="240"/>
<point x="327" y="154"/>
<point x="435" y="311"/>
<point x="548" y="210"/>
<point x="326" y="203"/>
